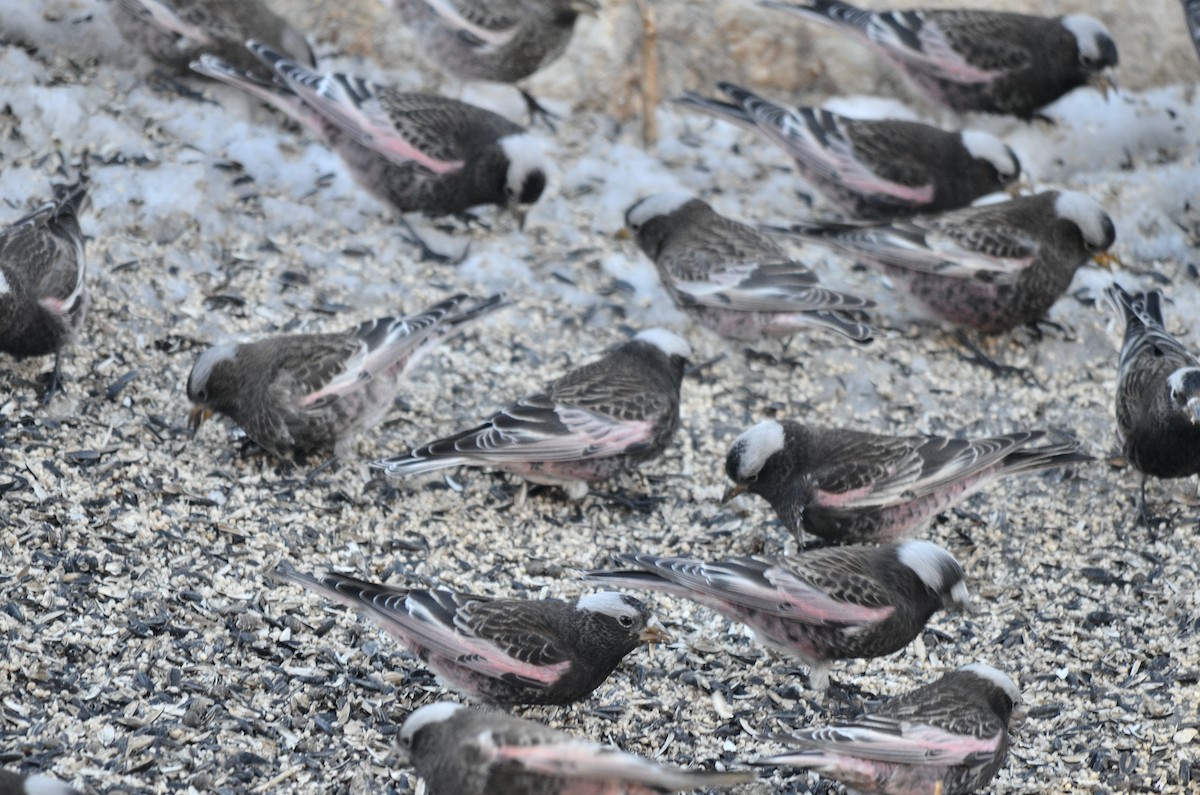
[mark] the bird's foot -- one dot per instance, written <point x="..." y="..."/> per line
<point x="428" y="254"/>
<point x="641" y="503"/>
<point x="318" y="469"/>
<point x="979" y="357"/>
<point x="53" y="381"/>
<point x="1035" y="328"/>
<point x="538" y="113"/>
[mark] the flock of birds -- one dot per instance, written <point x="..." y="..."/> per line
<point x="905" y="191"/>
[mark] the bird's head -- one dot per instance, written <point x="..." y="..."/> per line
<point x="939" y="571"/>
<point x="1097" y="50"/>
<point x="421" y="719"/>
<point x="1096" y="230"/>
<point x="761" y="462"/>
<point x="999" y="690"/>
<point x="209" y="384"/>
<point x="618" y="623"/>
<point x="987" y="148"/>
<point x="1184" y="386"/>
<point x="525" y="177"/>
<point x="650" y="219"/>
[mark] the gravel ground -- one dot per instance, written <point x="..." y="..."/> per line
<point x="144" y="649"/>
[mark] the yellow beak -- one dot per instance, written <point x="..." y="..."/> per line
<point x="733" y="491"/>
<point x="1103" y="82"/>
<point x="1106" y="260"/>
<point x="654" y="632"/>
<point x="197" y="416"/>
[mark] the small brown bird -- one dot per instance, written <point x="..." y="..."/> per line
<point x="43" y="292"/>
<point x="460" y="751"/>
<point x="304" y="392"/>
<point x="949" y="737"/>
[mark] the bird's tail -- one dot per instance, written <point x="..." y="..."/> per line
<point x="639" y="574"/>
<point x="343" y="588"/>
<point x="1140" y="310"/>
<point x="829" y="12"/>
<point x="1060" y="449"/>
<point x="418" y="462"/>
<point x="843" y="323"/>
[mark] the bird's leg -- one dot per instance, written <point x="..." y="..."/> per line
<point x="319" y="468"/>
<point x="642" y="503"/>
<point x="982" y="359"/>
<point x="1035" y="328"/>
<point x="54" y="383"/>
<point x="537" y="112"/>
<point x="522" y="493"/>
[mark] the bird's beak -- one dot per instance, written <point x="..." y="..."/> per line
<point x="623" y="234"/>
<point x="1018" y="187"/>
<point x="1193" y="406"/>
<point x="519" y="213"/>
<point x="733" y="491"/>
<point x="1020" y="713"/>
<point x="960" y="597"/>
<point x="1103" y="82"/>
<point x="654" y="632"/>
<point x="1106" y="260"/>
<point x="197" y="417"/>
<point x="586" y="7"/>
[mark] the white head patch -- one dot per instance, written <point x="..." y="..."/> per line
<point x="997" y="677"/>
<point x="668" y="342"/>
<point x="930" y="562"/>
<point x="985" y="146"/>
<point x="208" y="360"/>
<point x="1086" y="213"/>
<point x="44" y="785"/>
<point x="526" y="154"/>
<point x="1087" y="31"/>
<point x="757" y="444"/>
<point x="655" y="206"/>
<point x="608" y="603"/>
<point x="425" y="716"/>
<point x="1176" y="381"/>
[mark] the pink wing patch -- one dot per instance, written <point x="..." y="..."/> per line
<point x="815" y="606"/>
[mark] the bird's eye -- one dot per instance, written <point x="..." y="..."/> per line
<point x="202" y="395"/>
<point x="752" y="479"/>
<point x="406" y="741"/>
<point x="625" y="621"/>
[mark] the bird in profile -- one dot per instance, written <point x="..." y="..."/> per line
<point x="873" y="169"/>
<point x="296" y="393"/>
<point x="606" y="417"/>
<point x="849" y="487"/>
<point x="43" y="290"/>
<point x="177" y="32"/>
<point x="502" y="651"/>
<point x="949" y="737"/>
<point x="732" y="278"/>
<point x="990" y="267"/>
<point x="415" y="152"/>
<point x="503" y="41"/>
<point x="837" y="603"/>
<point x="462" y="751"/>
<point x="1158" y="394"/>
<point x="974" y="60"/>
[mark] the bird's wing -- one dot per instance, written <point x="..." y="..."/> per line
<point x="161" y="15"/>
<point x="881" y="471"/>
<point x="765" y="585"/>
<point x="479" y="23"/>
<point x="885" y="739"/>
<point x="948" y="46"/>
<point x="784" y="286"/>
<point x="823" y="143"/>
<point x="578" y="759"/>
<point x="404" y="128"/>
<point x="47" y="245"/>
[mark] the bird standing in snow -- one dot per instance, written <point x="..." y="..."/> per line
<point x="461" y="751"/>
<point x="498" y="40"/>
<point x="503" y="651"/>
<point x="305" y="392"/>
<point x="731" y="277"/>
<point x="828" y="604"/>
<point x="177" y="32"/>
<point x="991" y="267"/>
<point x="1158" y="394"/>
<point x="850" y="487"/>
<point x="949" y="737"/>
<point x="43" y="292"/>
<point x="606" y="417"/>
<point x="416" y="152"/>
<point x="989" y="61"/>
<point x="873" y="170"/>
